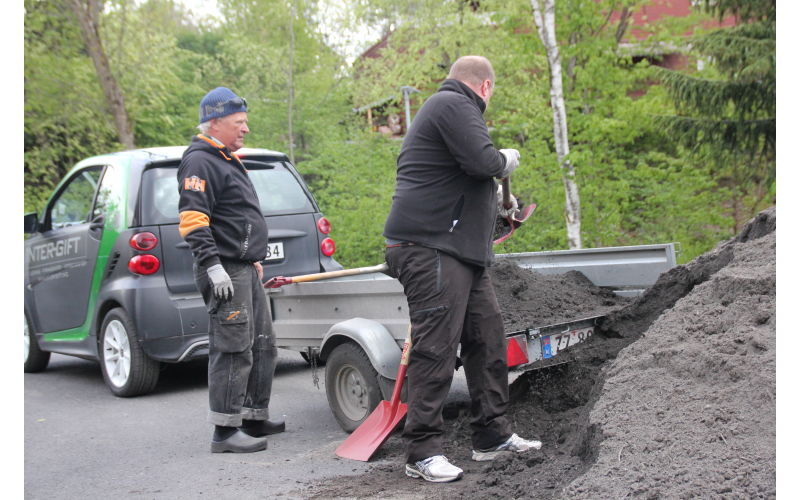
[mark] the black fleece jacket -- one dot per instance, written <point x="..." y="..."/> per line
<point x="445" y="196"/>
<point x="220" y="215"/>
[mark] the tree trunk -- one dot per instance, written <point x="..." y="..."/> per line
<point x="88" y="14"/>
<point x="545" y="19"/>
<point x="291" y="82"/>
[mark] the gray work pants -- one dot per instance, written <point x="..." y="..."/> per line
<point x="241" y="350"/>
<point x="451" y="302"/>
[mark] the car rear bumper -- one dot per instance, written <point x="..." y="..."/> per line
<point x="177" y="349"/>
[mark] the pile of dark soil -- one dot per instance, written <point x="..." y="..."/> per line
<point x="674" y="397"/>
<point x="531" y="299"/>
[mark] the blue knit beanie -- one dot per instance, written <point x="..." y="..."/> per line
<point x="220" y="102"/>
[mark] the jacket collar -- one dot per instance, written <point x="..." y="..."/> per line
<point x="462" y="88"/>
<point x="210" y="143"/>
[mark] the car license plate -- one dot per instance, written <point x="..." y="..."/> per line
<point x="275" y="251"/>
<point x="553" y="344"/>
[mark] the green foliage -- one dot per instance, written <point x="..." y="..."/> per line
<point x="638" y="184"/>
<point x="726" y="114"/>
<point x="257" y="55"/>
<point x="632" y="181"/>
<point x="353" y="181"/>
<point x="65" y="114"/>
<point x="161" y="106"/>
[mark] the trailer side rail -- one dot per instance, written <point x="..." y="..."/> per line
<point x="628" y="271"/>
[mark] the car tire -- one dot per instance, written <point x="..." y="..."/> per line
<point x="36" y="359"/>
<point x="126" y="368"/>
<point x="351" y="384"/>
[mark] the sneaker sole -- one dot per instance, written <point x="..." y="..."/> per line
<point x="416" y="475"/>
<point x="486" y="456"/>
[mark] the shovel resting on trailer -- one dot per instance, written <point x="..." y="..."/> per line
<point x="279" y="281"/>
<point x="515" y="219"/>
<point x="375" y="430"/>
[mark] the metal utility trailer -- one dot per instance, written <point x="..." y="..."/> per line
<point x="356" y="325"/>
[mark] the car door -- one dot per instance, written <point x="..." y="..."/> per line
<point x="60" y="259"/>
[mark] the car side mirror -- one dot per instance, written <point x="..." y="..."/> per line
<point x="31" y="223"/>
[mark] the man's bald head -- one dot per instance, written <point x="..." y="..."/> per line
<point x="472" y="70"/>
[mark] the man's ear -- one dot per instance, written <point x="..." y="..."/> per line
<point x="486" y="87"/>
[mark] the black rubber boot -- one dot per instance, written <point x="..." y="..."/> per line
<point x="261" y="428"/>
<point x="238" y="442"/>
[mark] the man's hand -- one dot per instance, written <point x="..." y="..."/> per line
<point x="512" y="162"/>
<point x="223" y="287"/>
<point x="259" y="270"/>
<point x="500" y="209"/>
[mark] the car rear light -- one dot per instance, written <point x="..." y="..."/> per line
<point x="324" y="225"/>
<point x="144" y="264"/>
<point x="144" y="241"/>
<point x="328" y="247"/>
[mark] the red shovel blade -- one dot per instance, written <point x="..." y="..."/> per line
<point x="522" y="215"/>
<point x="512" y="228"/>
<point x="373" y="432"/>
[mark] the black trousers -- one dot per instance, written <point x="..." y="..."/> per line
<point x="241" y="351"/>
<point x="451" y="303"/>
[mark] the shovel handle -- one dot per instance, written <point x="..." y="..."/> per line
<point x="401" y="372"/>
<point x="279" y="281"/>
<point x="507" y="193"/>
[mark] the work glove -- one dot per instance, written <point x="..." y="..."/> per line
<point x="223" y="286"/>
<point x="514" y="205"/>
<point x="512" y="162"/>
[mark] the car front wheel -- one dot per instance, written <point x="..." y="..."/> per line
<point x="126" y="368"/>
<point x="36" y="359"/>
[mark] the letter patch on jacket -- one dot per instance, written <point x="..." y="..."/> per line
<point x="194" y="183"/>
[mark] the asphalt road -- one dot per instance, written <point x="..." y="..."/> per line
<point x="82" y="442"/>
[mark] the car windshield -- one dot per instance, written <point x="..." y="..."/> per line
<point x="279" y="192"/>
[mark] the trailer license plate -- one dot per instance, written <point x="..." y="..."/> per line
<point x="553" y="344"/>
<point x="275" y="251"/>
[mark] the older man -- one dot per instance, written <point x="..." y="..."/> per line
<point x="221" y="220"/>
<point x="439" y="246"/>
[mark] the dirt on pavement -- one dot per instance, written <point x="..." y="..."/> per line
<point x="674" y="396"/>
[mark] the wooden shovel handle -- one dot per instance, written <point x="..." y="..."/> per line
<point x="507" y="193"/>
<point x="279" y="281"/>
<point x="401" y="372"/>
<point x="338" y="274"/>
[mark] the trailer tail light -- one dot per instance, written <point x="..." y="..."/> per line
<point x="143" y="241"/>
<point x="323" y="225"/>
<point x="327" y="247"/>
<point x="144" y="264"/>
<point x="517" y="351"/>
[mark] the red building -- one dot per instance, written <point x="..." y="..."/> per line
<point x="641" y="24"/>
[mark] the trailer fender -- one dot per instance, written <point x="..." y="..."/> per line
<point x="376" y="341"/>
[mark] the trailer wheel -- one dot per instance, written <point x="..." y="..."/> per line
<point x="36" y="359"/>
<point x="126" y="368"/>
<point x="351" y="384"/>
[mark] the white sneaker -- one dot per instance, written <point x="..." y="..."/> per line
<point x="514" y="443"/>
<point x="436" y="469"/>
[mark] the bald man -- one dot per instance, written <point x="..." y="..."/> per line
<point x="439" y="246"/>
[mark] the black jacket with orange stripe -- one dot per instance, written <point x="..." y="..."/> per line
<point x="220" y="215"/>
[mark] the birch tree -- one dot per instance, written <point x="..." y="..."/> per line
<point x="544" y="15"/>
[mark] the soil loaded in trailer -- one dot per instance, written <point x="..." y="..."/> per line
<point x="356" y="325"/>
